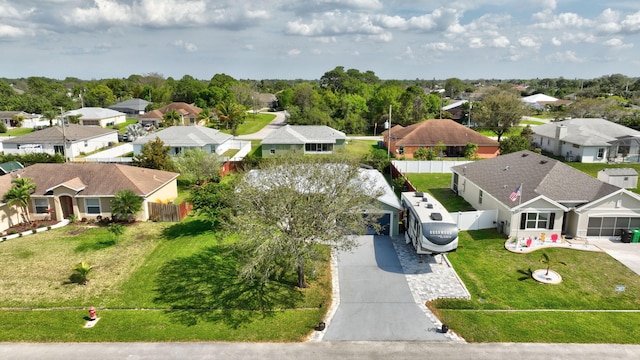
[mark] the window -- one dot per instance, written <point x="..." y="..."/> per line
<point x="86" y="143"/>
<point x="93" y="206"/>
<point x="318" y="147"/>
<point x="480" y="197"/>
<point x="600" y="153"/>
<point x="401" y="150"/>
<point x="537" y="220"/>
<point x="272" y="150"/>
<point x="41" y="205"/>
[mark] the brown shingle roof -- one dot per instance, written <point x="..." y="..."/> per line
<point x="98" y="179"/>
<point x="431" y="132"/>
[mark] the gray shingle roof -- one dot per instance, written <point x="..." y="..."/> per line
<point x="587" y="132"/>
<point x="303" y="134"/>
<point x="73" y="132"/>
<point x="538" y="174"/>
<point x="131" y="104"/>
<point x="187" y="136"/>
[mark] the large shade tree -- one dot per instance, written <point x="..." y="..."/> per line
<point x="154" y="155"/>
<point x="197" y="165"/>
<point x="499" y="111"/>
<point x="292" y="205"/>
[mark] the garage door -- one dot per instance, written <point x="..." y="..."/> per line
<point x="384" y="220"/>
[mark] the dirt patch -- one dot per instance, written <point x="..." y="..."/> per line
<point x="36" y="224"/>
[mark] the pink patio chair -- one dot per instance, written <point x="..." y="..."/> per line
<point x="529" y="241"/>
<point x="554" y="237"/>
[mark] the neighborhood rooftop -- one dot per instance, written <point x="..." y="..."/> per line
<point x="302" y="134"/>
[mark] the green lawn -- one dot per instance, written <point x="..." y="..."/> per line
<point x="252" y="124"/>
<point x="507" y="305"/>
<point x="438" y="185"/>
<point x="361" y="147"/>
<point x="17" y="132"/>
<point x="157" y="282"/>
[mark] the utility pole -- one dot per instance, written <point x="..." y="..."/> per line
<point x="64" y="136"/>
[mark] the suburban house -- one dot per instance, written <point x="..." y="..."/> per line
<point x="85" y="190"/>
<point x="589" y="140"/>
<point x="542" y="101"/>
<point x="304" y="139"/>
<point x="188" y="114"/>
<point x="404" y="141"/>
<point x="536" y="196"/>
<point x="457" y="111"/>
<point x="388" y="205"/>
<point x="131" y="107"/>
<point x="181" y="138"/>
<point x="97" y="116"/>
<point x="70" y="140"/>
<point x="6" y="117"/>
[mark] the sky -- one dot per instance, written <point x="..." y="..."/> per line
<point x="303" y="39"/>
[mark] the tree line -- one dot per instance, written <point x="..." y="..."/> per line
<point x="350" y="100"/>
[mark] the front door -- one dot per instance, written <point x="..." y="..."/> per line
<point x="66" y="202"/>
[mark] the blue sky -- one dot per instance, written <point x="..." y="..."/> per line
<point x="296" y="39"/>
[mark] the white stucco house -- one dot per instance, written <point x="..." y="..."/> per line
<point x="181" y="138"/>
<point x="71" y="141"/>
<point x="98" y="116"/>
<point x="589" y="140"/>
<point x="536" y="195"/>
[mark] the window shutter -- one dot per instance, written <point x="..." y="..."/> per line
<point x="523" y="220"/>
<point x="552" y="220"/>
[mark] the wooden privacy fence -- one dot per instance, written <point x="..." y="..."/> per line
<point x="169" y="212"/>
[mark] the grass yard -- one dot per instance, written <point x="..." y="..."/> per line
<point x="438" y="186"/>
<point x="17" y="132"/>
<point x="361" y="147"/>
<point x="584" y="308"/>
<point x="157" y="282"/>
<point x="251" y="124"/>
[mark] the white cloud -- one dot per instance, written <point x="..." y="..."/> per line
<point x="528" y="42"/>
<point x="189" y="47"/>
<point x="476" y="43"/>
<point x="631" y="23"/>
<point x="335" y="23"/>
<point x="563" y="57"/>
<point x="561" y="21"/>
<point x="440" y="46"/>
<point x="617" y="43"/>
<point x="438" y="20"/>
<point x="556" y="42"/>
<point x="294" y="52"/>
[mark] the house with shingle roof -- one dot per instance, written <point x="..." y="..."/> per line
<point x="588" y="140"/>
<point x="537" y="195"/>
<point x="188" y="114"/>
<point x="85" y="190"/>
<point x="304" y="139"/>
<point x="71" y="141"/>
<point x="404" y="141"/>
<point x="181" y="138"/>
<point x="95" y="116"/>
<point x="133" y="107"/>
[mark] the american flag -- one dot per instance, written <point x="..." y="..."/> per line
<point x="516" y="193"/>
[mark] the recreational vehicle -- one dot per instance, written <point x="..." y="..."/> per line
<point x="428" y="225"/>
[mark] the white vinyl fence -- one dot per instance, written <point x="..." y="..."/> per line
<point x="427" y="166"/>
<point x="476" y="220"/>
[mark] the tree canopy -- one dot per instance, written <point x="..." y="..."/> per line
<point x="292" y="205"/>
<point x="499" y="111"/>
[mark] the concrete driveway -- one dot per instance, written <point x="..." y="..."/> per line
<point x="375" y="300"/>
<point x="626" y="253"/>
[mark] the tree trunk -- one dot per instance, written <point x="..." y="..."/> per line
<point x="302" y="281"/>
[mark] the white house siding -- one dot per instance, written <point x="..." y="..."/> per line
<point x="621" y="204"/>
<point x="73" y="150"/>
<point x="539" y="206"/>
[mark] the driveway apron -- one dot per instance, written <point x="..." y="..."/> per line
<point x="375" y="300"/>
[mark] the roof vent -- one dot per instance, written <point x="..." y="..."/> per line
<point x="543" y="161"/>
<point x="419" y="194"/>
<point x="525" y="155"/>
<point x="436" y="216"/>
<point x="506" y="167"/>
<point x="429" y="206"/>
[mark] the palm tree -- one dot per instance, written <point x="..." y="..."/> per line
<point x="20" y="192"/>
<point x="170" y="118"/>
<point x="125" y="204"/>
<point x="16" y="120"/>
<point x="81" y="272"/>
<point x="233" y="114"/>
<point x="546" y="260"/>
